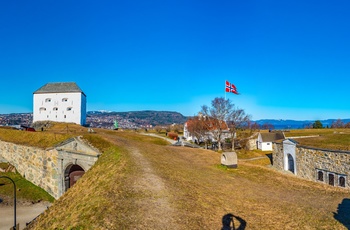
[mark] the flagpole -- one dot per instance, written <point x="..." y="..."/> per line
<point x="225" y="90"/>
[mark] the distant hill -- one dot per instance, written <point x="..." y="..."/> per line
<point x="140" y="118"/>
<point x="294" y="124"/>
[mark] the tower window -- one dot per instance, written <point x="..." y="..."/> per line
<point x="69" y="109"/>
<point x="64" y="99"/>
<point x="55" y="109"/>
<point x="48" y="100"/>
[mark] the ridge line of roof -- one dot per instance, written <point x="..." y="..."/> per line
<point x="57" y="87"/>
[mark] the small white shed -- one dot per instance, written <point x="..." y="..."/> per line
<point x="265" y="140"/>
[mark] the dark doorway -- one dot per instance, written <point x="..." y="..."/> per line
<point x="290" y="163"/>
<point x="72" y="175"/>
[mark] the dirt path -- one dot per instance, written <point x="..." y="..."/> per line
<point x="24" y="214"/>
<point x="154" y="202"/>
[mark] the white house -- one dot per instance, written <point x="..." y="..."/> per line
<point x="265" y="140"/>
<point x="60" y="102"/>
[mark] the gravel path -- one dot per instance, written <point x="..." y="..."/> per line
<point x="24" y="214"/>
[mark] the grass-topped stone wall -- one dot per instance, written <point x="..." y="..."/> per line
<point x="321" y="165"/>
<point x="38" y="166"/>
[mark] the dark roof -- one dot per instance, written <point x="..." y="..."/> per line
<point x="60" y="87"/>
<point x="270" y="137"/>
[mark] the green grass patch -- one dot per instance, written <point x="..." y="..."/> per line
<point x="26" y="190"/>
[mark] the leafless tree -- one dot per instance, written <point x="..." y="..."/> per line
<point x="198" y="128"/>
<point x="268" y="126"/>
<point x="158" y="128"/>
<point x="337" y="124"/>
<point x="237" y="119"/>
<point x="168" y="128"/>
<point x="223" y="110"/>
<point x="254" y="126"/>
<point x="177" y="128"/>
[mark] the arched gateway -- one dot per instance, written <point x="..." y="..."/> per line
<point x="54" y="169"/>
<point x="76" y="158"/>
<point x="289" y="156"/>
<point x="71" y="175"/>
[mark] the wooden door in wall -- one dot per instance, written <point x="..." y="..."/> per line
<point x="74" y="177"/>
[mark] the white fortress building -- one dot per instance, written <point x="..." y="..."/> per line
<point x="60" y="102"/>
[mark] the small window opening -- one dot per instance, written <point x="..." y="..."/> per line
<point x="331" y="179"/>
<point x="320" y="176"/>
<point x="342" y="181"/>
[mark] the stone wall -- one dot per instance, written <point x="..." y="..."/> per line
<point x="277" y="156"/>
<point x="310" y="161"/>
<point x="37" y="165"/>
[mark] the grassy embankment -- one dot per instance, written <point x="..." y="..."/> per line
<point x="26" y="191"/>
<point x="336" y="139"/>
<point x="197" y="189"/>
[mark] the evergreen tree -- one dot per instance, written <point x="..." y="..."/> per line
<point x="317" y="125"/>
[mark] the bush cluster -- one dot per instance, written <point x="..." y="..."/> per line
<point x="172" y="135"/>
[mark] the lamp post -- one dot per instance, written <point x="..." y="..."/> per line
<point x="14" y="199"/>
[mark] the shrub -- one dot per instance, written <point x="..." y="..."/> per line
<point x="172" y="135"/>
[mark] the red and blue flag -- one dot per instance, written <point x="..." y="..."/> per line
<point x="231" y="88"/>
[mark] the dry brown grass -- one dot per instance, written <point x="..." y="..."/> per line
<point x="194" y="186"/>
<point x="336" y="139"/>
<point x="331" y="141"/>
<point x="311" y="132"/>
<point x="51" y="136"/>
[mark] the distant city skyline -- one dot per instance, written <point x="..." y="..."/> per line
<point x="288" y="60"/>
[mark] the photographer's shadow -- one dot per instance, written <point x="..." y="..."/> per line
<point x="343" y="213"/>
<point x="229" y="220"/>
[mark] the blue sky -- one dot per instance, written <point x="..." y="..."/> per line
<point x="288" y="59"/>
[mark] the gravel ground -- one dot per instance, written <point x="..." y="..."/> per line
<point x="24" y="214"/>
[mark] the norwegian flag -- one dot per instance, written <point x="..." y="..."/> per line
<point x="231" y="88"/>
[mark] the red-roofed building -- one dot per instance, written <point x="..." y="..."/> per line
<point x="199" y="129"/>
